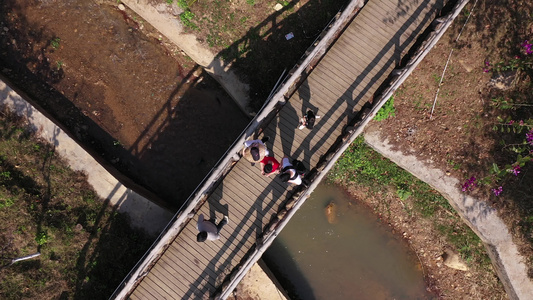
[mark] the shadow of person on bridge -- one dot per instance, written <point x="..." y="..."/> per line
<point x="304" y="91"/>
<point x="239" y="233"/>
<point x="284" y="122"/>
<point x="285" y="126"/>
<point x="365" y="84"/>
<point x="215" y="205"/>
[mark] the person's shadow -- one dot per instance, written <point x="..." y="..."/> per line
<point x="288" y="121"/>
<point x="268" y="197"/>
<point x="216" y="206"/>
<point x="304" y="91"/>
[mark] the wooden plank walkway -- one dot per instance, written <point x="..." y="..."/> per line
<point x="346" y="78"/>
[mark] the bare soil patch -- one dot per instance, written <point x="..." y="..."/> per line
<point x="459" y="137"/>
<point x="132" y="99"/>
<point x="252" y="35"/>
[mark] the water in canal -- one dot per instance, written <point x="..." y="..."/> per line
<point x="352" y="256"/>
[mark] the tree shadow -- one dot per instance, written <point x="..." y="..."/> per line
<point x="252" y="55"/>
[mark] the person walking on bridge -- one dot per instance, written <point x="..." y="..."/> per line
<point x="208" y="229"/>
<point x="308" y="120"/>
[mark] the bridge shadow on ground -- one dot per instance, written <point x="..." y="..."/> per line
<point x="359" y="89"/>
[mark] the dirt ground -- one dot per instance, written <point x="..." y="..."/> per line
<point x="144" y="107"/>
<point x="124" y="92"/>
<point x="458" y="137"/>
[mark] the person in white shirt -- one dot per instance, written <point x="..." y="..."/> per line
<point x="289" y="173"/>
<point x="255" y="150"/>
<point x="208" y="230"/>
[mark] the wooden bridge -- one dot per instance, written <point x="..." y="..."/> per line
<point x="363" y="52"/>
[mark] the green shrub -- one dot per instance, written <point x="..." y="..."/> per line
<point x="386" y="111"/>
<point x="42" y="238"/>
<point x="186" y="18"/>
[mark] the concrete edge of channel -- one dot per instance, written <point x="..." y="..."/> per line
<point x="484" y="220"/>
<point x="143" y="213"/>
<point x="164" y="18"/>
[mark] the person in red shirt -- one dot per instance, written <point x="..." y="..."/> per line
<point x="269" y="166"/>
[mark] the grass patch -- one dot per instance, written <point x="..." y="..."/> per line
<point x="386" y="111"/>
<point x="55" y="43"/>
<point x="46" y="207"/>
<point x="362" y="166"/>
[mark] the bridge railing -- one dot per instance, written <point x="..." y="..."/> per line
<point x="398" y="76"/>
<point x="232" y="155"/>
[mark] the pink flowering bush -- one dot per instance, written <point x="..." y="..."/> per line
<point x="470" y="184"/>
<point x="527" y="47"/>
<point x="497" y="191"/>
<point x="524" y="61"/>
<point x="524" y="150"/>
<point x="517" y="133"/>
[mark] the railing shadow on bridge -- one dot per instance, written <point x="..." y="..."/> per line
<point x="348" y="95"/>
<point x="220" y="168"/>
<point x="233" y="241"/>
<point x="395" y="61"/>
